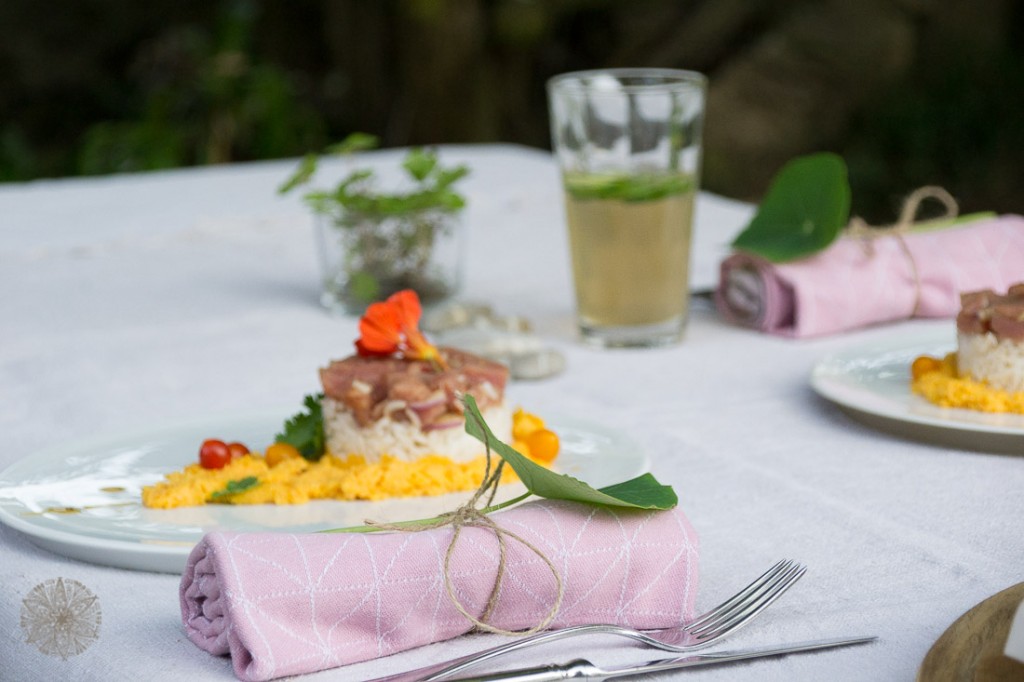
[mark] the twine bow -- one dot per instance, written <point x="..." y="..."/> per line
<point x="469" y="515"/>
<point x="859" y="229"/>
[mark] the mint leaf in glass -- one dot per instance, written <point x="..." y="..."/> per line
<point x="627" y="187"/>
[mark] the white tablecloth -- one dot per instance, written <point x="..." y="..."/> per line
<point x="138" y="300"/>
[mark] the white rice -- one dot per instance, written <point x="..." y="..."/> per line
<point x="404" y="439"/>
<point x="999" y="362"/>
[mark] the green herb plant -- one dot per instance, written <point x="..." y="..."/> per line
<point x="389" y="239"/>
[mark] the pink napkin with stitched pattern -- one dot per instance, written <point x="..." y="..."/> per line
<point x="282" y="604"/>
<point x="852" y="284"/>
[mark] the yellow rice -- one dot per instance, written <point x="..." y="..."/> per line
<point x="946" y="388"/>
<point x="297" y="481"/>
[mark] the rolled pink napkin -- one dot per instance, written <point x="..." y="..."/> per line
<point x="855" y="283"/>
<point x="283" y="604"/>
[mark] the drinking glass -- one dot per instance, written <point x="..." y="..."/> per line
<point x="367" y="257"/>
<point x="628" y="142"/>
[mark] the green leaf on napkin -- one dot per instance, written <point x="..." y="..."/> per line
<point x="643" y="492"/>
<point x="804" y="210"/>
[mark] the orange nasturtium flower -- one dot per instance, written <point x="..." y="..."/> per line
<point x="392" y="327"/>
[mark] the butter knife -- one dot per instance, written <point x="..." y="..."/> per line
<point x="583" y="669"/>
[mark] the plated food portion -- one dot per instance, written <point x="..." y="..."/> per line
<point x="408" y="409"/>
<point x="986" y="372"/>
<point x="82" y="499"/>
<point x="389" y="423"/>
<point x="870" y="380"/>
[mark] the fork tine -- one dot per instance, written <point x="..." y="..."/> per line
<point x="743" y="613"/>
<point x="758" y="601"/>
<point x="741" y="597"/>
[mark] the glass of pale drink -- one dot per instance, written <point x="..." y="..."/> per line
<point x="628" y="142"/>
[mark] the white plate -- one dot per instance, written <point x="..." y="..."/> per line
<point x="114" y="529"/>
<point x="873" y="382"/>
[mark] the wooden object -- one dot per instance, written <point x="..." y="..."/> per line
<point x="971" y="649"/>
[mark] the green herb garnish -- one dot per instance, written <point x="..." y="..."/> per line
<point x="804" y="210"/>
<point x="629" y="188"/>
<point x="388" y="238"/>
<point x="233" y="488"/>
<point x="305" y="430"/>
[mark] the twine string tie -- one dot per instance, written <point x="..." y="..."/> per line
<point x="860" y="230"/>
<point x="471" y="515"/>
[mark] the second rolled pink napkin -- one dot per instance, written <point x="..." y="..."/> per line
<point x="282" y="604"/>
<point x="854" y="283"/>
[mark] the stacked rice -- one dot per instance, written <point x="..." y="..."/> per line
<point x="990" y="338"/>
<point x="410" y="408"/>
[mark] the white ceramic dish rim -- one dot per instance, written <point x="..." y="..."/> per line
<point x="169" y="554"/>
<point x="874" y="378"/>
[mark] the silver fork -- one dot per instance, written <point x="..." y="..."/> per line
<point x="703" y="631"/>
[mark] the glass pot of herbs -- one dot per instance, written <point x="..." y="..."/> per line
<point x="373" y="243"/>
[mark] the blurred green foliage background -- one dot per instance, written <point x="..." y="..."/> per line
<point x="910" y="92"/>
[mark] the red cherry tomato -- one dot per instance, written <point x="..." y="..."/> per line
<point x="214" y="454"/>
<point x="237" y="450"/>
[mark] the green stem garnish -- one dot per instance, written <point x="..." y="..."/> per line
<point x="426" y="522"/>
<point x="941" y="224"/>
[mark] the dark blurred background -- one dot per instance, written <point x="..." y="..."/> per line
<point x="910" y="92"/>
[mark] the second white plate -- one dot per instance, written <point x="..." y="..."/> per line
<point x="82" y="500"/>
<point x="872" y="381"/>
